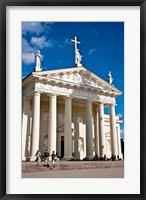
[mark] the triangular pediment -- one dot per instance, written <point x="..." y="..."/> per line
<point x="79" y="76"/>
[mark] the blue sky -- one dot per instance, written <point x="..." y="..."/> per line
<point x="102" y="48"/>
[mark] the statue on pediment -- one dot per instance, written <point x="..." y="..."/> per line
<point x="38" y="61"/>
<point x="110" y="78"/>
<point x="78" y="58"/>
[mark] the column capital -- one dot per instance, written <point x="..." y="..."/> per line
<point x="37" y="93"/>
<point x="112" y="105"/>
<point x="52" y="94"/>
<point x="88" y="100"/>
<point x="68" y="97"/>
<point x="101" y="102"/>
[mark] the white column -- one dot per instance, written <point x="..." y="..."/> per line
<point x="113" y="132"/>
<point x="89" y="131"/>
<point x="68" y="129"/>
<point x="97" y="133"/>
<point x="101" y="130"/>
<point x="35" y="125"/>
<point x="26" y="109"/>
<point x="52" y="124"/>
<point x="119" y="143"/>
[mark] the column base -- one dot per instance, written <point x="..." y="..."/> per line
<point x="101" y="158"/>
<point x="27" y="159"/>
<point x="89" y="157"/>
<point x="24" y="159"/>
<point x="114" y="157"/>
<point x="67" y="158"/>
<point x="120" y="157"/>
<point x="32" y="159"/>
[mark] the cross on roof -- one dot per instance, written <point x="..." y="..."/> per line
<point x="76" y="42"/>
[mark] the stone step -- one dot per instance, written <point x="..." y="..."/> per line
<point x="33" y="167"/>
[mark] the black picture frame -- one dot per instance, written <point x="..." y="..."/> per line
<point x="3" y="91"/>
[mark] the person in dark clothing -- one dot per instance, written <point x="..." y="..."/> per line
<point x="46" y="155"/>
<point x="53" y="158"/>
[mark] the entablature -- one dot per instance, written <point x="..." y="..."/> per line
<point x="74" y="92"/>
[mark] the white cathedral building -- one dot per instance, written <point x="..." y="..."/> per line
<point x="63" y="111"/>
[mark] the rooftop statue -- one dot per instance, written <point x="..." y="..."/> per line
<point x="78" y="56"/>
<point x="110" y="78"/>
<point x="38" y="61"/>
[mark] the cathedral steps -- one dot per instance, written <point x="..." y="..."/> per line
<point x="70" y="165"/>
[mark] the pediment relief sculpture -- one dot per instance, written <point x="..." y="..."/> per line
<point x="78" y="79"/>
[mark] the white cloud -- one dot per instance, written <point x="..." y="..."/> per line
<point x="32" y="27"/>
<point x="64" y="43"/>
<point x="29" y="48"/>
<point x="91" y="51"/>
<point x="120" y="116"/>
<point x="67" y="41"/>
<point x="41" y="42"/>
<point x="36" y="27"/>
<point x="26" y="46"/>
<point x="28" y="53"/>
<point x="122" y="131"/>
<point x="28" y="58"/>
<point x="48" y="25"/>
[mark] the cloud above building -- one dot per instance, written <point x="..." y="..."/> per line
<point x="32" y="27"/>
<point x="91" y="51"/>
<point x="36" y="28"/>
<point x="121" y="116"/>
<point x="34" y="38"/>
<point x="41" y="42"/>
<point x="28" y="52"/>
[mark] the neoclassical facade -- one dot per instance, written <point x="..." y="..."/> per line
<point x="63" y="111"/>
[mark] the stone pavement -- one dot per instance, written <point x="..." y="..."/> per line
<point x="77" y="173"/>
<point x="71" y="165"/>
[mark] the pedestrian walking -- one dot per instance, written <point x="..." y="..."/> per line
<point x="53" y="158"/>
<point x="38" y="157"/>
<point x="46" y="155"/>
